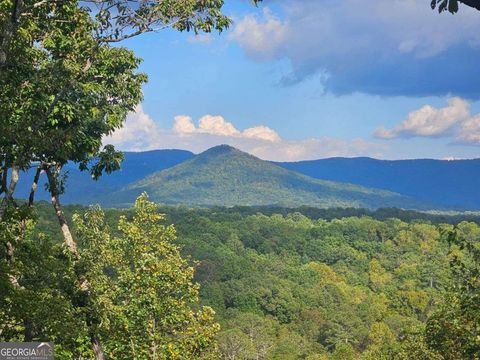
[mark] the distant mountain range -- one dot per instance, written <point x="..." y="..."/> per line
<point x="450" y="183"/>
<point x="226" y="176"/>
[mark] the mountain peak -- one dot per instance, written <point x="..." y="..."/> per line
<point x="224" y="175"/>
<point x="221" y="150"/>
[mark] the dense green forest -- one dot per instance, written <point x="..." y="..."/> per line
<point x="288" y="286"/>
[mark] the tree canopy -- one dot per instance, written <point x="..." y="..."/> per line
<point x="452" y="5"/>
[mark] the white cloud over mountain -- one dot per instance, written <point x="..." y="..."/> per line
<point x="454" y="120"/>
<point x="218" y="126"/>
<point x="141" y="133"/>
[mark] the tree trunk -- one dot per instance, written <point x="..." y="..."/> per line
<point x="9" y="246"/>
<point x="10" y="191"/>
<point x="3" y="181"/>
<point x="7" y="200"/>
<point x="31" y="198"/>
<point x="7" y="33"/>
<point x="97" y="347"/>
<point x="83" y="283"/>
<point x="55" y="194"/>
<point x="29" y="331"/>
<point x="9" y="251"/>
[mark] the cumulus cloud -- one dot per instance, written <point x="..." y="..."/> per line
<point x="429" y="121"/>
<point x="396" y="47"/>
<point x="454" y="120"/>
<point x="469" y="132"/>
<point x="261" y="132"/>
<point x="139" y="129"/>
<point x="183" y="125"/>
<point x="142" y="133"/>
<point x="261" y="37"/>
<point x="216" y="125"/>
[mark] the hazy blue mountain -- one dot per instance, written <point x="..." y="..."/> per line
<point x="449" y="183"/>
<point x="445" y="183"/>
<point x="226" y="176"/>
<point x="81" y="189"/>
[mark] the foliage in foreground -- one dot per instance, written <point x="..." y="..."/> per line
<point x="455" y="328"/>
<point x="140" y="291"/>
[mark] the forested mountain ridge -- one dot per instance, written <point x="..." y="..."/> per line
<point x="445" y="182"/>
<point x="226" y="176"/>
<point x="450" y="184"/>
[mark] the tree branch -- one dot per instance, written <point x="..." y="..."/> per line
<point x="472" y="3"/>
<point x="148" y="29"/>
<point x="34" y="185"/>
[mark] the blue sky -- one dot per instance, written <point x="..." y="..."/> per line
<point x="293" y="80"/>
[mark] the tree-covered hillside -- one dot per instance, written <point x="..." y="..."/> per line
<point x="226" y="176"/>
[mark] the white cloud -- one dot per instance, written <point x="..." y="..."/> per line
<point x="453" y="121"/>
<point x="141" y="133"/>
<point x="216" y="125"/>
<point x="429" y="121"/>
<point x="469" y="132"/>
<point x="316" y="148"/>
<point x="380" y="47"/>
<point x="138" y="129"/>
<point x="260" y="38"/>
<point x="183" y="125"/>
<point x="261" y="132"/>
